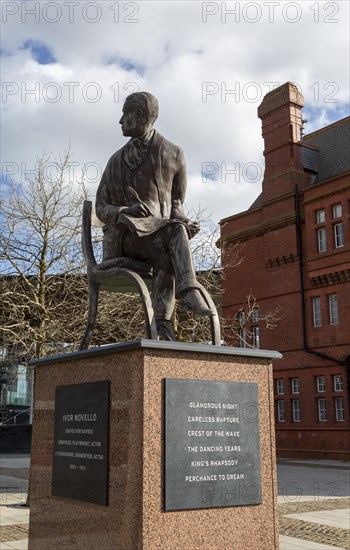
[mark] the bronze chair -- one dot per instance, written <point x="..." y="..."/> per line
<point x="114" y="276"/>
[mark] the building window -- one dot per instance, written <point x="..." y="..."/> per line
<point x="256" y="337"/>
<point x="295" y="385"/>
<point x="320" y="216"/>
<point x="333" y="309"/>
<point x="322" y="240"/>
<point x="242" y="330"/>
<point x="339" y="235"/>
<point x="280" y="411"/>
<point x="339" y="409"/>
<point x="242" y="338"/>
<point x="280" y="386"/>
<point x="296" y="410"/>
<point x="322" y="410"/>
<point x="316" y="311"/>
<point x="321" y="384"/>
<point x="337" y="211"/>
<point x="255" y="315"/>
<point x="241" y="317"/>
<point x="338" y="382"/>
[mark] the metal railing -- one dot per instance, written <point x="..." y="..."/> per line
<point x="13" y="418"/>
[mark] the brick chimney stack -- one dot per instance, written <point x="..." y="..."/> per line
<point x="281" y="115"/>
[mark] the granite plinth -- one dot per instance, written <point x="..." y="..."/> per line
<point x="134" y="517"/>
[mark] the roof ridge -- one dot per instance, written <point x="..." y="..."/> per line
<point x="336" y="123"/>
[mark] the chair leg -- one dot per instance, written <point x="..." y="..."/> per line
<point x="151" y="327"/>
<point x="214" y="321"/>
<point x="93" y="303"/>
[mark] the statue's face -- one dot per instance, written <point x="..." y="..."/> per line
<point x="132" y="120"/>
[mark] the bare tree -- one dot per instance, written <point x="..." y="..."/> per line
<point x="240" y="329"/>
<point x="41" y="258"/>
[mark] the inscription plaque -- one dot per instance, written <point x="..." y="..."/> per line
<point x="212" y="444"/>
<point x="80" y="448"/>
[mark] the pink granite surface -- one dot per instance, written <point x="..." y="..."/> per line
<point x="134" y="518"/>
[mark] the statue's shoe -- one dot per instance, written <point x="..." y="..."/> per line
<point x="192" y="300"/>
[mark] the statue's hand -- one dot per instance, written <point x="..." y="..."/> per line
<point x="138" y="210"/>
<point x="193" y="227"/>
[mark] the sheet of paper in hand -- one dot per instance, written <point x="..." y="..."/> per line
<point x="144" y="226"/>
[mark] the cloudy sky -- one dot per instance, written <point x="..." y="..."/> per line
<point x="67" y="67"/>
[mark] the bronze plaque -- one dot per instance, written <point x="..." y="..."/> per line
<point x="212" y="444"/>
<point x="80" y="449"/>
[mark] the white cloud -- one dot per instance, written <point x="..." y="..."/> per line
<point x="179" y="52"/>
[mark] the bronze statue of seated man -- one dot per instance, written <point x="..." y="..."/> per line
<point x="140" y="201"/>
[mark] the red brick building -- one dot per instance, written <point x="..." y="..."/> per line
<point x="295" y="242"/>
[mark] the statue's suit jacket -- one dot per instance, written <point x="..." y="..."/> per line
<point x="160" y="183"/>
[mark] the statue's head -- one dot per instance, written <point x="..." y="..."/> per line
<point x="140" y="110"/>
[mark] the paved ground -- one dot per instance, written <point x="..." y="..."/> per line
<point x="14" y="516"/>
<point x="314" y="504"/>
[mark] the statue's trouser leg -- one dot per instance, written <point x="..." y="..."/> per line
<point x="181" y="257"/>
<point x="169" y="253"/>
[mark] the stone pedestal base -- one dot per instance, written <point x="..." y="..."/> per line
<point x="134" y="517"/>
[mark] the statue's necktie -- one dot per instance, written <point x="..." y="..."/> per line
<point x="134" y="153"/>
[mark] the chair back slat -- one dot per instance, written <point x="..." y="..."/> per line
<point x="86" y="233"/>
